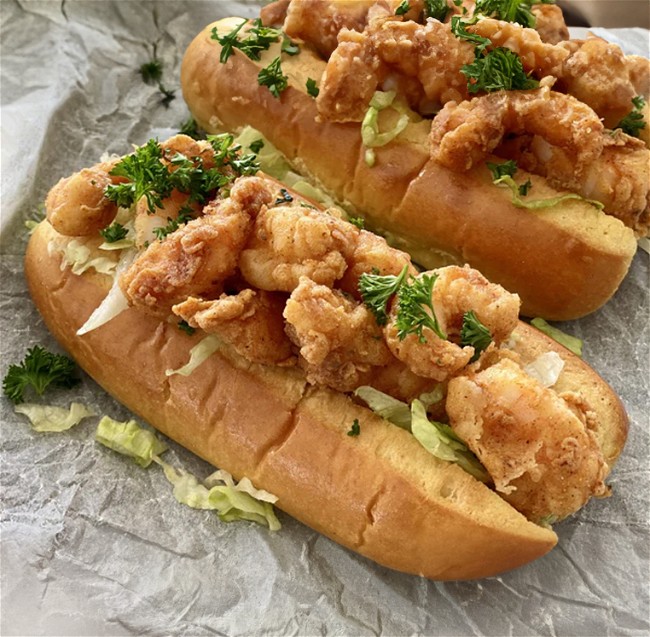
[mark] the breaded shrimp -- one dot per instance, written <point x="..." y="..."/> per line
<point x="76" y="205"/>
<point x="250" y="321"/>
<point x="340" y="342"/>
<point x="293" y="241"/>
<point x="465" y="134"/>
<point x="549" y="23"/>
<point x="541" y="456"/>
<point x="195" y="259"/>
<point x="456" y="291"/>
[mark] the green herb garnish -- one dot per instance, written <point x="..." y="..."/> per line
<point x="257" y="145"/>
<point x="403" y="8"/>
<point x="289" y="47"/>
<point x="518" y="11"/>
<point x="359" y="222"/>
<point x="633" y="122"/>
<point x="474" y="334"/>
<point x="190" y="128"/>
<point x="151" y="72"/>
<point x="355" y="430"/>
<point x="186" y="327"/>
<point x="272" y="77"/>
<point x="114" y="232"/>
<point x="437" y="9"/>
<point x="228" y="42"/>
<point x="312" y="89"/>
<point x="500" y="69"/>
<point x="39" y="369"/>
<point x="185" y="214"/>
<point x="508" y="168"/>
<point x="415" y="308"/>
<point x="376" y="290"/>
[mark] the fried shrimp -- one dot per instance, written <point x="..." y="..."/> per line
<point x="549" y="23"/>
<point x="288" y="242"/>
<point x="76" y="205"/>
<point x="340" y="342"/>
<point x="539" y="453"/>
<point x="465" y="134"/>
<point x="199" y="256"/>
<point x="250" y="321"/>
<point x="456" y="291"/>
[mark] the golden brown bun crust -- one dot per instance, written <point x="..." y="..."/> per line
<point x="380" y="493"/>
<point x="564" y="262"/>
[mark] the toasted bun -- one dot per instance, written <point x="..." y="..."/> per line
<point x="564" y="262"/>
<point x="380" y="493"/>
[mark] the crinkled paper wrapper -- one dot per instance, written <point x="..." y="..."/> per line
<point x="92" y="544"/>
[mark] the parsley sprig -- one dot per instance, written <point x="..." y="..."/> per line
<point x="376" y="290"/>
<point x="499" y="69"/>
<point x="113" y="233"/>
<point x="518" y="11"/>
<point x="272" y="77"/>
<point x="437" y="9"/>
<point x="39" y="370"/>
<point x="415" y="308"/>
<point x="185" y="214"/>
<point x="258" y="38"/>
<point x="633" y="122"/>
<point x="403" y="8"/>
<point x="474" y="334"/>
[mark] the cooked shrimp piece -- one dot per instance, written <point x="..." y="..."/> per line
<point x="541" y="456"/>
<point x="537" y="56"/>
<point x="195" y="259"/>
<point x="456" y="291"/>
<point x="549" y="23"/>
<point x="340" y="342"/>
<point x="274" y="13"/>
<point x="250" y="321"/>
<point x="597" y="73"/>
<point x="465" y="134"/>
<point x="372" y="254"/>
<point x="76" y="205"/>
<point x="639" y="69"/>
<point x="288" y="242"/>
<point x="619" y="177"/>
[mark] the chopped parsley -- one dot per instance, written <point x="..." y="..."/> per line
<point x="524" y="188"/>
<point x="148" y="175"/>
<point x="257" y="145"/>
<point x="114" y="232"/>
<point x="312" y="89"/>
<point x="633" y="122"/>
<point x="376" y="290"/>
<point x="190" y="128"/>
<point x="437" y="9"/>
<point x="359" y="222"/>
<point x="459" y="29"/>
<point x="186" y="327"/>
<point x="185" y="214"/>
<point x="289" y="46"/>
<point x="518" y="11"/>
<point x="257" y="39"/>
<point x="284" y="197"/>
<point x="39" y="369"/>
<point x="355" y="430"/>
<point x="151" y="72"/>
<point x="500" y="69"/>
<point x="272" y="77"/>
<point x="507" y="168"/>
<point x="227" y="42"/>
<point x="475" y="334"/>
<point x="403" y="8"/>
<point x="415" y="308"/>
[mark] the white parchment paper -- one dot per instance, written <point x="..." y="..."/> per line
<point x="94" y="545"/>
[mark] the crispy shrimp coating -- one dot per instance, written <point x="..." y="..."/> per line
<point x="540" y="454"/>
<point x="289" y="242"/>
<point x="251" y="322"/>
<point x="195" y="259"/>
<point x="340" y="342"/>
<point x="456" y="291"/>
<point x="639" y="69"/>
<point x="597" y="74"/>
<point x="549" y="23"/>
<point x="76" y="205"/>
<point x="465" y="134"/>
<point x="372" y="254"/>
<point x="619" y="177"/>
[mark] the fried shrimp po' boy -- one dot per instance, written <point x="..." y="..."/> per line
<point x="453" y="130"/>
<point x="385" y="407"/>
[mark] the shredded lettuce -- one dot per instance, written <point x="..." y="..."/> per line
<point x="129" y="439"/>
<point x="441" y="441"/>
<point x="546" y="368"/>
<point x="199" y="353"/>
<point x="572" y="343"/>
<point x="231" y="501"/>
<point x="538" y="204"/>
<point x="48" y="418"/>
<point x="370" y="134"/>
<point x="81" y="258"/>
<point x="114" y="302"/>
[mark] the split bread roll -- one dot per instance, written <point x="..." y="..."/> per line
<point x="379" y="493"/>
<point x="564" y="261"/>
